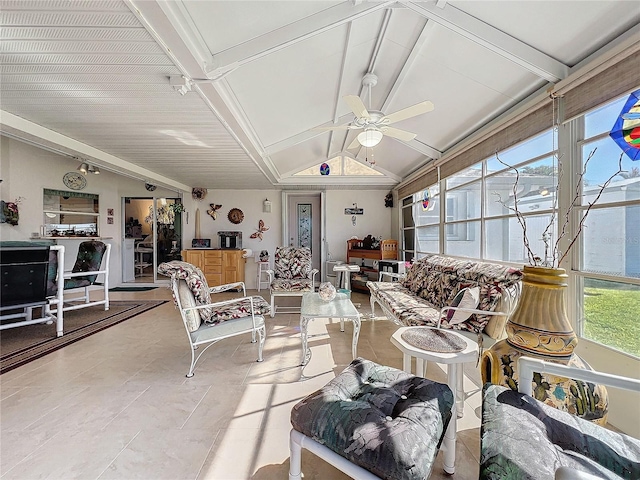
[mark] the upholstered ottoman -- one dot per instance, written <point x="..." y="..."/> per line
<point x="373" y="421"/>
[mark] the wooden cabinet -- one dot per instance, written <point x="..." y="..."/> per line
<point x="365" y="258"/>
<point x="219" y="266"/>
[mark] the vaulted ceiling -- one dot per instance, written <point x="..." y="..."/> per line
<point x="253" y="80"/>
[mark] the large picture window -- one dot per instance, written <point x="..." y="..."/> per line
<point x="608" y="267"/>
<point x="477" y="219"/>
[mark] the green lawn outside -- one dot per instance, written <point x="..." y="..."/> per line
<point x="612" y="316"/>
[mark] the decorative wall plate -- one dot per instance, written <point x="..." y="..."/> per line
<point x="235" y="215"/>
<point x="74" y="180"/>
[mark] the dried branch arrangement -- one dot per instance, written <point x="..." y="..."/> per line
<point x="552" y="255"/>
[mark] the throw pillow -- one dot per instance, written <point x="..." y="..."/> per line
<point x="466" y="298"/>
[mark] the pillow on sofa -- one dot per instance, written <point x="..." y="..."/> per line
<point x="195" y="280"/>
<point x="466" y="298"/>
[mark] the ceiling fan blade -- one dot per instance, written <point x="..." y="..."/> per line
<point x="337" y="127"/>
<point x="357" y="106"/>
<point x="353" y="144"/>
<point x="397" y="133"/>
<point x="412" y="111"/>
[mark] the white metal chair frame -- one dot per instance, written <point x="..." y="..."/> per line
<point x="526" y="368"/>
<point x="86" y="301"/>
<point x="47" y="316"/>
<point x="210" y="334"/>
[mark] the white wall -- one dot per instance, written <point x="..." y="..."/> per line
<point x="27" y="170"/>
<point x="250" y="202"/>
<point x="376" y="220"/>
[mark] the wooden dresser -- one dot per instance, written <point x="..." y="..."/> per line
<point x="218" y="266"/>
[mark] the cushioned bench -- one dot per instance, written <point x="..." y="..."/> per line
<point x="373" y="421"/>
<point x="524" y="438"/>
<point x="434" y="281"/>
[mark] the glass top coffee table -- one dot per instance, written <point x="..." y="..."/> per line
<point x="340" y="307"/>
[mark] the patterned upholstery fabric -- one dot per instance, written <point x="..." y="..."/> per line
<point x="239" y="309"/>
<point x="386" y="421"/>
<point x="292" y="262"/>
<point x="89" y="258"/>
<point x="433" y="282"/>
<point x="291" y="285"/>
<point x="195" y="280"/>
<point x="544" y="438"/>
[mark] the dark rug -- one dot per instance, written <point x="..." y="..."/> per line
<point x="21" y="345"/>
<point x="131" y="289"/>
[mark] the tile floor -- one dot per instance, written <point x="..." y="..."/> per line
<point x="117" y="405"/>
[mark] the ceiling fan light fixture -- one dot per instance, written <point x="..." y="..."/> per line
<point x="370" y="137"/>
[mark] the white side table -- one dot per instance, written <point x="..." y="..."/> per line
<point x="262" y="268"/>
<point x="344" y="274"/>
<point x="454" y="361"/>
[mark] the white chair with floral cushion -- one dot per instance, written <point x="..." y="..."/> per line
<point x="292" y="275"/>
<point x="208" y="322"/>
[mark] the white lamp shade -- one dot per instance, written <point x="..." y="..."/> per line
<point x="370" y="137"/>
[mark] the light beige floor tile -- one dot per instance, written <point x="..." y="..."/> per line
<point x="93" y="408"/>
<point x="234" y="406"/>
<point x="41" y="401"/>
<point x="16" y="445"/>
<point x="87" y="454"/>
<point x="161" y="406"/>
<point x="231" y="420"/>
<point x="161" y="454"/>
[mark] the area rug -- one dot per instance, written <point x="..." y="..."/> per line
<point x="21" y="345"/>
<point x="131" y="289"/>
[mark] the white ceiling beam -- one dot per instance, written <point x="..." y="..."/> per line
<point x="336" y="106"/>
<point x="424" y="149"/>
<point x="187" y="54"/>
<point x="493" y="39"/>
<point x="304" y="136"/>
<point x="291" y="34"/>
<point x="18" y="127"/>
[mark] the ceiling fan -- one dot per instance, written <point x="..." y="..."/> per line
<point x="374" y="123"/>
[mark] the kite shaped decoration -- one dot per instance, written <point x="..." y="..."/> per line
<point x="261" y="229"/>
<point x="213" y="212"/>
<point x="626" y="130"/>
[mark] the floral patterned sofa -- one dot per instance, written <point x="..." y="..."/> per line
<point x="434" y="281"/>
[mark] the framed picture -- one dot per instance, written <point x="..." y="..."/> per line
<point x="110" y="220"/>
<point x="110" y="212"/>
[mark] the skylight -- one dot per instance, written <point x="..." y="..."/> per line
<point x="340" y="166"/>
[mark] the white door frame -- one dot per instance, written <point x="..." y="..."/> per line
<point x="285" y="220"/>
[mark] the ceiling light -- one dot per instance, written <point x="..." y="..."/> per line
<point x="370" y="137"/>
<point x="94" y="170"/>
<point x="84" y="168"/>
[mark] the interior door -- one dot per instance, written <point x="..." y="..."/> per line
<point x="304" y="224"/>
<point x="155" y="227"/>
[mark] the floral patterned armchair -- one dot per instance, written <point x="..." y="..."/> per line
<point x="208" y="322"/>
<point x="292" y="275"/>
